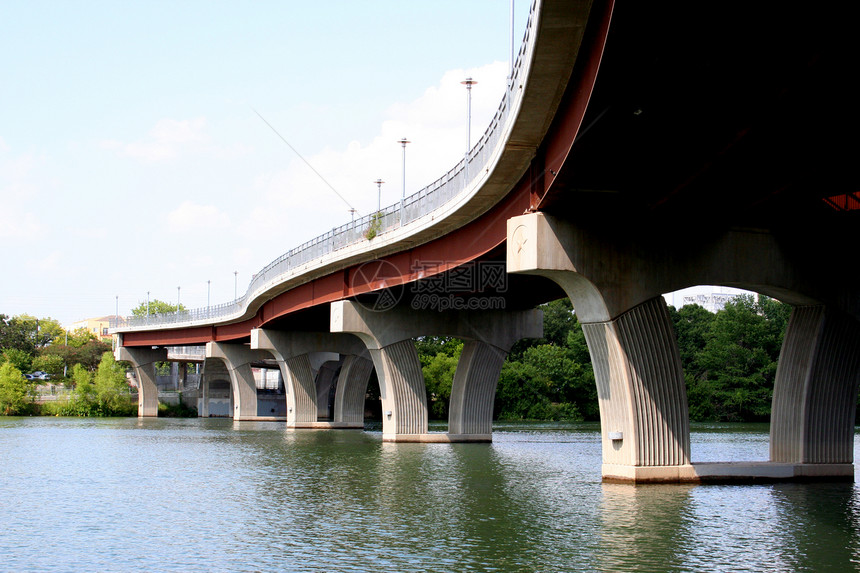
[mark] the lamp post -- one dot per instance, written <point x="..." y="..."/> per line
<point x="147" y="307"/>
<point x="512" y="43"/>
<point x="403" y="142"/>
<point x="468" y="82"/>
<point x="177" y="299"/>
<point x="208" y="290"/>
<point x="379" y="183"/>
<point x="235" y="285"/>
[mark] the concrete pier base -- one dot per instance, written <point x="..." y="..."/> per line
<point x="728" y="472"/>
<point x="324" y="425"/>
<point x="438" y="438"/>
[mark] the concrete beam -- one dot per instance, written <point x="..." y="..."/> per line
<point x="609" y="271"/>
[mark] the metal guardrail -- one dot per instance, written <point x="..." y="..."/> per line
<point x="415" y="206"/>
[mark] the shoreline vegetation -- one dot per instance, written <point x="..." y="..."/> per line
<point x="729" y="360"/>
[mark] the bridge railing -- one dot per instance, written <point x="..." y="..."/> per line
<point x="415" y="206"/>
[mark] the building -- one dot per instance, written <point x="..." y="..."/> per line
<point x="96" y="326"/>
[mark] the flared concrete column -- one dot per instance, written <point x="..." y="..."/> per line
<point x="351" y="390"/>
<point x="326" y="384"/>
<point x="640" y="384"/>
<point x="473" y="391"/>
<point x="293" y="350"/>
<point x="388" y="335"/>
<point x="214" y="369"/>
<point x="815" y="393"/>
<point x="641" y="392"/>
<point x="302" y="392"/>
<point x="238" y="358"/>
<point x="144" y="360"/>
<point x="203" y="398"/>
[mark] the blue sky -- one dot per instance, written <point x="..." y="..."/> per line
<point x="132" y="159"/>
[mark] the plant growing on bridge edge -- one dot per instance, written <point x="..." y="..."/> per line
<point x="374" y="227"/>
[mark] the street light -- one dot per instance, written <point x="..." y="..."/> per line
<point x="208" y="288"/>
<point x="177" y="299"/>
<point x="403" y="142"/>
<point x="379" y="183"/>
<point x="511" y="78"/>
<point x="468" y="82"/>
<point x="235" y="285"/>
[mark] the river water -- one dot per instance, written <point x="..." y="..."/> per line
<point x="214" y="495"/>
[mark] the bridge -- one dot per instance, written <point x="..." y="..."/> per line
<point x="639" y="150"/>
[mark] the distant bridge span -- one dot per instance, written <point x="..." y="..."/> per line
<point x="640" y="149"/>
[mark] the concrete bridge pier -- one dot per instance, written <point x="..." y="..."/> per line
<point x="238" y="358"/>
<point x="351" y="389"/>
<point x="388" y="335"/>
<point x="293" y="352"/>
<point x="210" y="396"/>
<point x="640" y="383"/>
<point x="143" y="360"/>
<point x="815" y="392"/>
<point x="615" y="277"/>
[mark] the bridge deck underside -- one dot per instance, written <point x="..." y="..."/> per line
<point x="735" y="114"/>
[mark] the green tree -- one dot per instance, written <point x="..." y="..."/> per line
<point x="44" y="330"/>
<point x="692" y="323"/>
<point x="102" y="393"/>
<point x="731" y="377"/>
<point x="50" y="363"/>
<point x="88" y="355"/>
<point x="156" y="306"/>
<point x="21" y="360"/>
<point x="111" y="388"/>
<point x="16" y="392"/>
<point x="550" y="378"/>
<point x="18" y="334"/>
<point x="558" y="321"/>
<point x="77" y="338"/>
<point x="438" y="378"/>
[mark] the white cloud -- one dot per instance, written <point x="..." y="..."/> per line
<point x="46" y="264"/>
<point x="168" y="139"/>
<point x="17" y="224"/>
<point x="192" y="218"/>
<point x="17" y="190"/>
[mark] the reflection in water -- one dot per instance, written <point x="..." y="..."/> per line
<point x="821" y="522"/>
<point x="213" y="495"/>
<point x="643" y="528"/>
